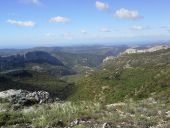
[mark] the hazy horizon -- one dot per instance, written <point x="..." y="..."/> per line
<point x="130" y="44"/>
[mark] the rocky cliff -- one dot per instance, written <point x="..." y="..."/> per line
<point x="151" y="49"/>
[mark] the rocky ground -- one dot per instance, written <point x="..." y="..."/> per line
<point x="20" y="98"/>
<point x="38" y="110"/>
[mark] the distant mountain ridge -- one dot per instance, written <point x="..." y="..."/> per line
<point x="19" y="60"/>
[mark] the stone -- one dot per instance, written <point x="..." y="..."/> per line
<point x="75" y="122"/>
<point x="23" y="126"/>
<point x="25" y="98"/>
<point x="168" y="114"/>
<point x="107" y="125"/>
<point x="2" y="109"/>
<point x="9" y="93"/>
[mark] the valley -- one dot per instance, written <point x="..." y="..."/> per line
<point x="84" y="64"/>
<point x="102" y="88"/>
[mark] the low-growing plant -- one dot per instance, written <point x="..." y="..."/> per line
<point x="49" y="114"/>
<point x="12" y="118"/>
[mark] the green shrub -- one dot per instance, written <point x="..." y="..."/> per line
<point x="12" y="118"/>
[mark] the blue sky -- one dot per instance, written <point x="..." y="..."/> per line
<point x="29" y="23"/>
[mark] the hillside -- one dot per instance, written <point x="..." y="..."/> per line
<point x="91" y="56"/>
<point x="36" y="60"/>
<point x="19" y="60"/>
<point x="127" y="91"/>
<point x="83" y="59"/>
<point x="134" y="76"/>
<point x="160" y="57"/>
<point x="35" y="81"/>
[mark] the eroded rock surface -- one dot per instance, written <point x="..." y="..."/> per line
<point x="25" y="98"/>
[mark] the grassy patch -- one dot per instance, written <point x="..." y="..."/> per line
<point x="50" y="114"/>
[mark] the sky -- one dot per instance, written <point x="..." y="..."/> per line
<point x="30" y="23"/>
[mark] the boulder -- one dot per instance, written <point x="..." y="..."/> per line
<point x="75" y="122"/>
<point x="25" y="98"/>
<point x="9" y="93"/>
<point x="107" y="125"/>
<point x="168" y="114"/>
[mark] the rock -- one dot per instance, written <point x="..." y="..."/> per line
<point x="23" y="126"/>
<point x="109" y="106"/>
<point x="151" y="49"/>
<point x="104" y="88"/>
<point x="89" y="122"/>
<point x="37" y="68"/>
<point x="9" y="93"/>
<point x="168" y="114"/>
<point x="83" y="120"/>
<point x="2" y="109"/>
<point x="75" y="122"/>
<point x="107" y="125"/>
<point x="151" y="100"/>
<point x="108" y="58"/>
<point x="57" y="99"/>
<point x="25" y="98"/>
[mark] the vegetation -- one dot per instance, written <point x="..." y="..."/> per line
<point x="127" y="76"/>
<point x="138" y="83"/>
<point x="35" y="81"/>
<point x="127" y="91"/>
<point x="83" y="59"/>
<point x="135" y="114"/>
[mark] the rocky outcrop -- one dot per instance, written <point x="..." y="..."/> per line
<point x="25" y="98"/>
<point x="108" y="58"/>
<point x="19" y="60"/>
<point x="152" y="49"/>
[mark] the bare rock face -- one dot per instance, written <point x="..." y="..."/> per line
<point x="25" y="98"/>
<point x="152" y="49"/>
<point x="9" y="93"/>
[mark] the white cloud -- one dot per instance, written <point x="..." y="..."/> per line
<point x="59" y="19"/>
<point x="83" y="31"/>
<point x="127" y="14"/>
<point x="101" y="5"/>
<point x="137" y="28"/>
<point x="21" y="23"/>
<point x="105" y="30"/>
<point x="37" y="2"/>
